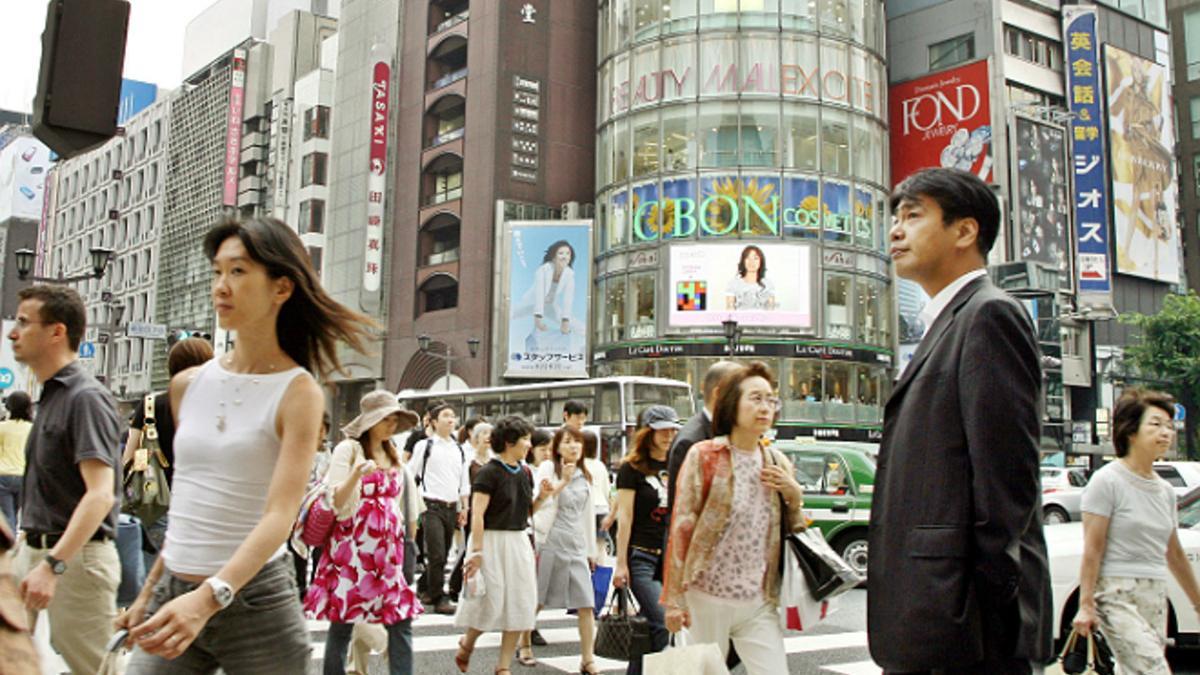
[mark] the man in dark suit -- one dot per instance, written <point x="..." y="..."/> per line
<point x="698" y="428"/>
<point x="958" y="577"/>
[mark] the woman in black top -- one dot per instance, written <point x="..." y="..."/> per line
<point x="498" y="551"/>
<point x="186" y="353"/>
<point x="641" y="518"/>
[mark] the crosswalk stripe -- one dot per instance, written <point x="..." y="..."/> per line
<point x="816" y="643"/>
<point x="857" y="668"/>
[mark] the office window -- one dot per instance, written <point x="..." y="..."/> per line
<point x="1033" y="48"/>
<point x="952" y="52"/>
<point x="1191" y="43"/>
<point x="1195" y="109"/>
<point x="313" y="169"/>
<point x="316" y="122"/>
<point x="312" y="216"/>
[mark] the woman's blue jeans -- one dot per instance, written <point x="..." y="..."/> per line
<point x="400" y="648"/>
<point x="646" y="591"/>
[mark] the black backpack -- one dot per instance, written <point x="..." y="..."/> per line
<point x="428" y="441"/>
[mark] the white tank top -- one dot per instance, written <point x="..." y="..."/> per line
<point x="226" y="448"/>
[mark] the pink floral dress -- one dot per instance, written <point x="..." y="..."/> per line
<point x="360" y="577"/>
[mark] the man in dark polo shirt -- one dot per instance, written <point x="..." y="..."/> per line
<point x="68" y="562"/>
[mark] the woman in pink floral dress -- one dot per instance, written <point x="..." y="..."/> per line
<point x="360" y="577"/>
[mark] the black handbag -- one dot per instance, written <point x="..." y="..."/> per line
<point x="621" y="634"/>
<point x="827" y="574"/>
<point x="1086" y="655"/>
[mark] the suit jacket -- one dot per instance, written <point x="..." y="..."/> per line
<point x="696" y="429"/>
<point x="958" y="569"/>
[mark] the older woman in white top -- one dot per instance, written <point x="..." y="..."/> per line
<point x="240" y="470"/>
<point x="1130" y="539"/>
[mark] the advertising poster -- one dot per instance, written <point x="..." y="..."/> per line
<point x="1042" y="211"/>
<point x="755" y="284"/>
<point x="1144" y="186"/>
<point x="944" y="119"/>
<point x="24" y="164"/>
<point x="804" y="197"/>
<point x="136" y="96"/>
<point x="1090" y="192"/>
<point x="549" y="274"/>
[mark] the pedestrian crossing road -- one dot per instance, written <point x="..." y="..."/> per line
<point x="837" y="646"/>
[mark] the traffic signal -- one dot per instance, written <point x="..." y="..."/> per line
<point x="79" y="83"/>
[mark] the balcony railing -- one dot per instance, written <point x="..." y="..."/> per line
<point x="448" y="79"/>
<point x="452" y="21"/>
<point x="442" y="197"/>
<point x="443" y="257"/>
<point x="452" y="135"/>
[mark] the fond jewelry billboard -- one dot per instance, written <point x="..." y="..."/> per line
<point x="1144" y="187"/>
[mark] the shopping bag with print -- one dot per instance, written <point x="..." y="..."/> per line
<point x="799" y="608"/>
<point x="683" y="657"/>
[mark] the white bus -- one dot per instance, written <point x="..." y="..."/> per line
<point x="614" y="404"/>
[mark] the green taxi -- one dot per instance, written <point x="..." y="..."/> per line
<point x="838" y="480"/>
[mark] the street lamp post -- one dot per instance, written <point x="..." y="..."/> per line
<point x="424" y="342"/>
<point x="26" y="257"/>
<point x="109" y="331"/>
<point x="733" y="333"/>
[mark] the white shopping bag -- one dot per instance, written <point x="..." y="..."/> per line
<point x="685" y="658"/>
<point x="798" y="609"/>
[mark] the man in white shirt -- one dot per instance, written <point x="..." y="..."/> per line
<point x="441" y="467"/>
<point x="956" y="508"/>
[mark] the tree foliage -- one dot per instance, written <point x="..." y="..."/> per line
<point x="1169" y="349"/>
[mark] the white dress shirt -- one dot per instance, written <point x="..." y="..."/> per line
<point x="447" y="478"/>
<point x="937" y="304"/>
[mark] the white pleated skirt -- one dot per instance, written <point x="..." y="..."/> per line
<point x="509" y="602"/>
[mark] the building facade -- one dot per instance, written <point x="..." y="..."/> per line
<point x="741" y="175"/>
<point x="996" y="88"/>
<point x="464" y="143"/>
<point x="1184" y="19"/>
<point x="24" y="168"/>
<point x="113" y="197"/>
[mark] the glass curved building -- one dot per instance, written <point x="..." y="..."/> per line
<point x="741" y="175"/>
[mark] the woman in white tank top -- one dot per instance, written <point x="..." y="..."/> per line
<point x="223" y="592"/>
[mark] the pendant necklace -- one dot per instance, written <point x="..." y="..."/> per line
<point x="237" y="389"/>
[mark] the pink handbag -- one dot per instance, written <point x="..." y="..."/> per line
<point x="318" y="524"/>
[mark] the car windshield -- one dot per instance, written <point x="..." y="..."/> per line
<point x="1189" y="509"/>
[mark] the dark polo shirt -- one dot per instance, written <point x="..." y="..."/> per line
<point x="76" y="420"/>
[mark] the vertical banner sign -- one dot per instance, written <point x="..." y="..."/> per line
<point x="1141" y="138"/>
<point x="1090" y="195"/>
<point x="942" y="120"/>
<point x="549" y="274"/>
<point x="233" y="133"/>
<point x="381" y="83"/>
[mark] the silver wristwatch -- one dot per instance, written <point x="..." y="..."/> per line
<point x="221" y="590"/>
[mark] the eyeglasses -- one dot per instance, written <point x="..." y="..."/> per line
<point x="758" y="400"/>
<point x="24" y="323"/>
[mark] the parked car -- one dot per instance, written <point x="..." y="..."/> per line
<point x="1064" y="544"/>
<point x="1183" y="476"/>
<point x="838" y="481"/>
<point x="1062" y="494"/>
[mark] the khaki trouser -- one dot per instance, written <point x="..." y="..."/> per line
<point x="84" y="603"/>
<point x="1133" y="618"/>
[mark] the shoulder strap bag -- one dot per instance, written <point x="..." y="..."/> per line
<point x="622" y="634"/>
<point x="147" y="494"/>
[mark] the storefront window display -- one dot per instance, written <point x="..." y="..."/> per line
<point x="641" y="321"/>
<point x="837" y="306"/>
<point x="645" y="144"/>
<point x="614" y="316"/>
<point x="760" y="134"/>
<point x="800" y="146"/>
<point x="803" y="393"/>
<point x="718" y="134"/>
<point x="679" y="139"/>
<point x="835" y="142"/>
